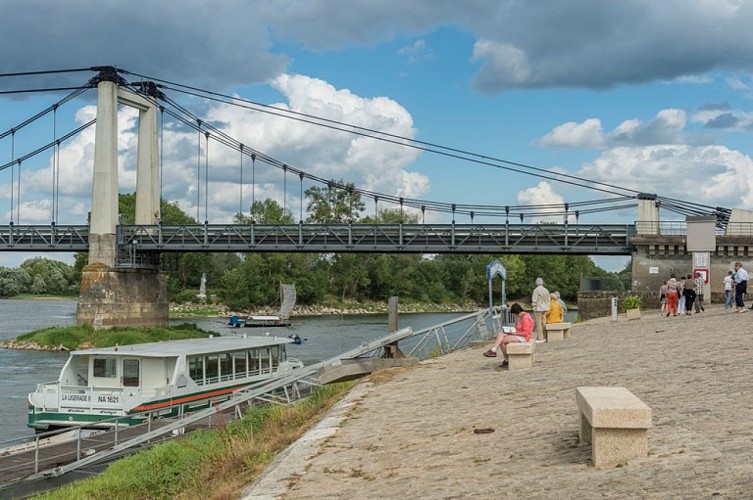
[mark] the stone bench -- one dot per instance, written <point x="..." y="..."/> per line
<point x="615" y="422"/>
<point x="556" y="331"/>
<point x="520" y="354"/>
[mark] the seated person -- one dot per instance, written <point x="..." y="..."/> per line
<point x="561" y="303"/>
<point x="554" y="315"/>
<point x="523" y="332"/>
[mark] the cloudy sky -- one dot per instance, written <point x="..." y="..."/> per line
<point x="651" y="96"/>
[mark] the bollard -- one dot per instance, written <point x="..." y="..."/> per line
<point x="614" y="309"/>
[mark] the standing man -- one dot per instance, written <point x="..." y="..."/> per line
<point x="540" y="304"/>
<point x="741" y="286"/>
<point x="700" y="284"/>
<point x="688" y="291"/>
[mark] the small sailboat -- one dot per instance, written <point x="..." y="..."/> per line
<point x="287" y="303"/>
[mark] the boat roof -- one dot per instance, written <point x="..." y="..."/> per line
<point x="171" y="348"/>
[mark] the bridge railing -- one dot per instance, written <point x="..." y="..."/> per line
<point x="44" y="237"/>
<point x="680" y="228"/>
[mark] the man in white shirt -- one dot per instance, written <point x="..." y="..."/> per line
<point x="741" y="286"/>
<point x="540" y="305"/>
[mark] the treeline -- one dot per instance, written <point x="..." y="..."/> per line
<point x="252" y="280"/>
<point x="39" y="276"/>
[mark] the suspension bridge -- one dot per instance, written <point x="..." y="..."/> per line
<point x="137" y="248"/>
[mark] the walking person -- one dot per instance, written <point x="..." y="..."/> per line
<point x="540" y="305"/>
<point x="673" y="294"/>
<point x="728" y="281"/>
<point x="688" y="291"/>
<point x="663" y="298"/>
<point x="681" y="296"/>
<point x="700" y="285"/>
<point x="741" y="286"/>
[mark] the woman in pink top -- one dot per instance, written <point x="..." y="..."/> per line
<point x="523" y="332"/>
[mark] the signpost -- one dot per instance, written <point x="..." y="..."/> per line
<point x="496" y="268"/>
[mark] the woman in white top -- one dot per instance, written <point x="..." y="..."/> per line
<point x="728" y="281"/>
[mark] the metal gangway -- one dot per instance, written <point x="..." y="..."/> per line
<point x="29" y="463"/>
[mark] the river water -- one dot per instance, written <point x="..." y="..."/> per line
<point x="21" y="371"/>
<point x="325" y="337"/>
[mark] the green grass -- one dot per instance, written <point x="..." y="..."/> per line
<point x="74" y="337"/>
<point x="209" y="464"/>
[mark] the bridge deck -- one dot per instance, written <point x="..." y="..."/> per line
<point x="578" y="239"/>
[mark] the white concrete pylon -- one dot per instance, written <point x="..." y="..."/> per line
<point x="104" y="211"/>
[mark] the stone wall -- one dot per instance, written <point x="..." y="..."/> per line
<point x="655" y="258"/>
<point x="598" y="304"/>
<point x="127" y="297"/>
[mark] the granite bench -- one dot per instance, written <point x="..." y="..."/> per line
<point x="557" y="331"/>
<point x="520" y="354"/>
<point x="615" y="422"/>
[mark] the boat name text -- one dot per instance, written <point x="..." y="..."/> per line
<point x="76" y="397"/>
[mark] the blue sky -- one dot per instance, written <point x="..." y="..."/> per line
<point x="651" y="96"/>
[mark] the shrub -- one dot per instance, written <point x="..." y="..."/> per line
<point x="631" y="302"/>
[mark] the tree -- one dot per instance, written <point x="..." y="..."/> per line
<point x="234" y="289"/>
<point x="52" y="276"/>
<point x="267" y="211"/>
<point x="338" y="203"/>
<point x="393" y="216"/>
<point x="38" y="287"/>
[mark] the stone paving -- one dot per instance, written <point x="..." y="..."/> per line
<point x="459" y="427"/>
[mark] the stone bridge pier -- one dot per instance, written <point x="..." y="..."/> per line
<point x="112" y="296"/>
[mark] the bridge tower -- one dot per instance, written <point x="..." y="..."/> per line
<point x="112" y="295"/>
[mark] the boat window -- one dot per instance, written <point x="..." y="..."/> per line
<point x="226" y="366"/>
<point x="253" y="365"/>
<point x="212" y="371"/>
<point x="239" y="360"/>
<point x="275" y="356"/>
<point x="104" y="367"/>
<point x="196" y="369"/>
<point x="131" y="373"/>
<point x="264" y="360"/>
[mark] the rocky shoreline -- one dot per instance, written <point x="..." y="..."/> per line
<point x="178" y="311"/>
<point x="31" y="346"/>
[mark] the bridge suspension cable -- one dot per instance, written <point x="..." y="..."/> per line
<point x="416" y="144"/>
<point x="190" y="120"/>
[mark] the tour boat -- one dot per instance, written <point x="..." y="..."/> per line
<point x="165" y="378"/>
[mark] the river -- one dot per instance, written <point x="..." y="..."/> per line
<point x="21" y="371"/>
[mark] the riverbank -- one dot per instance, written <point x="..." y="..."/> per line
<point x="413" y="437"/>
